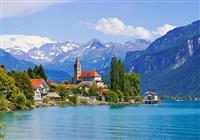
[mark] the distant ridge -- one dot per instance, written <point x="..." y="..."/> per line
<point x="171" y="64"/>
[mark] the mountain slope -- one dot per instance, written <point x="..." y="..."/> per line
<point x="165" y="66"/>
<point x="11" y="63"/>
<point x="57" y="76"/>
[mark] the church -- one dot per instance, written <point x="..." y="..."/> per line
<point x="86" y="77"/>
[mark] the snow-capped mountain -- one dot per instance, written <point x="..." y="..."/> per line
<point x="19" y="45"/>
<point x="47" y="52"/>
<point x="95" y="54"/>
<point x="35" y="49"/>
<point x="97" y="49"/>
<point x="19" y="54"/>
<point x="22" y="42"/>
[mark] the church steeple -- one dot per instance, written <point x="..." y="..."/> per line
<point x="77" y="70"/>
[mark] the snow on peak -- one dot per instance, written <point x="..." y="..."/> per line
<point x="23" y="42"/>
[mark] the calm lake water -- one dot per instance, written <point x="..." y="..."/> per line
<point x="167" y="120"/>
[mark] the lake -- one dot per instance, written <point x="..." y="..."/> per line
<point x="164" y="121"/>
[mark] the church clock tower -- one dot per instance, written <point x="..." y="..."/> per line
<point x="77" y="71"/>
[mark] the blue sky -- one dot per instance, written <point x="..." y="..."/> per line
<point x="81" y="21"/>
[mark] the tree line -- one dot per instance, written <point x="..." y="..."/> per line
<point x="16" y="91"/>
<point x="37" y="72"/>
<point x="123" y="86"/>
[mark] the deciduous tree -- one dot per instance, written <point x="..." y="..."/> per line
<point x="24" y="84"/>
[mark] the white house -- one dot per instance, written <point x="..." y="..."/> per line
<point x="151" y="98"/>
<point x="40" y="88"/>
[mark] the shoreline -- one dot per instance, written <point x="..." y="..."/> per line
<point x="96" y="103"/>
<point x="65" y="104"/>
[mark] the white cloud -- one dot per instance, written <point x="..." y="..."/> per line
<point x="23" y="42"/>
<point x="17" y="8"/>
<point x="114" y="26"/>
<point x="163" y="29"/>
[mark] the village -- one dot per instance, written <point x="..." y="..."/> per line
<point x="32" y="89"/>
<point x="87" y="87"/>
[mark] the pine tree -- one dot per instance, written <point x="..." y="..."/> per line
<point x="30" y="73"/>
<point x="35" y="70"/>
<point x="114" y="74"/>
<point x="117" y="74"/>
<point x="121" y="75"/>
<point x="41" y="72"/>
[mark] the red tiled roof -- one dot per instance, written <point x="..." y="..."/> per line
<point x="36" y="83"/>
<point x="89" y="74"/>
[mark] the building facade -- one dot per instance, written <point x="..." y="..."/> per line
<point x="86" y="77"/>
<point x="150" y="98"/>
<point x="77" y="70"/>
<point x="40" y="89"/>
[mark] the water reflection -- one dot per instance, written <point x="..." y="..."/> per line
<point x="118" y="106"/>
<point x="163" y="121"/>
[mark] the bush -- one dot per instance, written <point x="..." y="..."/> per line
<point x="1" y="135"/>
<point x="11" y="106"/>
<point x="127" y="98"/>
<point x="93" y="89"/>
<point x="20" y="101"/>
<point x="84" y="101"/>
<point x="62" y="92"/>
<point x="99" y="98"/>
<point x="73" y="99"/>
<point x="3" y="103"/>
<point x="52" y="90"/>
<point x="46" y="100"/>
<point x="139" y="99"/>
<point x="120" y="95"/>
<point x="112" y="96"/>
<point x="28" y="103"/>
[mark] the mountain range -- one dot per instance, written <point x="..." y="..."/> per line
<point x="58" y="57"/>
<point x="171" y="64"/>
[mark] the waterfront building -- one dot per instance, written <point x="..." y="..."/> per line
<point x="40" y="89"/>
<point x="151" y="98"/>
